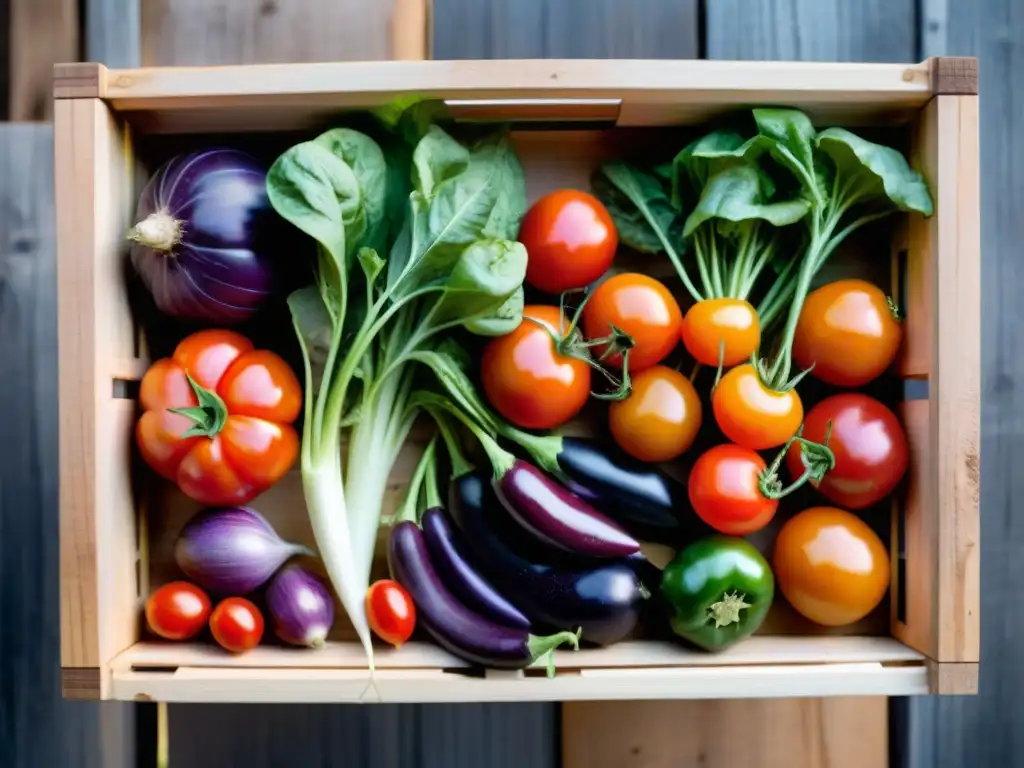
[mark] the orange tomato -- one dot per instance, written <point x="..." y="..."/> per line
<point x="710" y="323"/>
<point x="848" y="331"/>
<point x="640" y="306"/>
<point x="237" y="625"/>
<point x="177" y="611"/>
<point x="831" y="566"/>
<point x="752" y="415"/>
<point x="660" y="418"/>
<point x="570" y="239"/>
<point x="239" y="440"/>
<point x="526" y="378"/>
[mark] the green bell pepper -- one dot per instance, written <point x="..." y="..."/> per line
<point x="719" y="590"/>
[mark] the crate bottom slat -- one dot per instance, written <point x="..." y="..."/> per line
<point x="228" y="685"/>
<point x="757" y="650"/>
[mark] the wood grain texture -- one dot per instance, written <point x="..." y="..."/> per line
<point x="93" y="183"/>
<point x="553" y="29"/>
<point x="942" y="517"/>
<point x="113" y="32"/>
<point x="183" y="32"/>
<point x="812" y="30"/>
<point x="42" y="33"/>
<point x="773" y="733"/>
<point x="39" y="728"/>
<point x="951" y="732"/>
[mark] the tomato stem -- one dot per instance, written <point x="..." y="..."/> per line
<point x="818" y="459"/>
<point x="209" y="417"/>
<point x="894" y="309"/>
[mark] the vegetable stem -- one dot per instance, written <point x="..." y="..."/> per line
<point x="159" y="231"/>
<point x="408" y="511"/>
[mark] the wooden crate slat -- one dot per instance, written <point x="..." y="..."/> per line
<point x="97" y="520"/>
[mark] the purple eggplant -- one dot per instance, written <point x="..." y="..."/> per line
<point x="447" y="552"/>
<point x="603" y="600"/>
<point x="632" y="492"/>
<point x="455" y="627"/>
<point x="559" y="517"/>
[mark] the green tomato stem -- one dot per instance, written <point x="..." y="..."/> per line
<point x="699" y="248"/>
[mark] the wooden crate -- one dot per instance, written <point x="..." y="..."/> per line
<point x="117" y="525"/>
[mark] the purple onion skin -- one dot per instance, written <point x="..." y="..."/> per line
<point x="231" y="551"/>
<point x="453" y="626"/>
<point x="222" y="269"/>
<point x="558" y="517"/>
<point x="448" y="557"/>
<point x="300" y="607"/>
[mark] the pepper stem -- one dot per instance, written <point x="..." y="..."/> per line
<point x="544" y="647"/>
<point x="159" y="231"/>
<point x="209" y="417"/>
<point x="727" y="610"/>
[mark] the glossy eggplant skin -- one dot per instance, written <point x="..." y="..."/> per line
<point x="448" y="554"/>
<point x="452" y="625"/>
<point x="604" y="600"/>
<point x="629" y="491"/>
<point x="558" y="517"/>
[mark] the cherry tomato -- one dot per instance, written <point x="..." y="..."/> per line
<point x="710" y="322"/>
<point x="640" y="306"/>
<point x="869" y="444"/>
<point x="724" y="490"/>
<point x="752" y="415"/>
<point x="831" y="566"/>
<point x="240" y="441"/>
<point x="848" y="331"/>
<point x="236" y="624"/>
<point x="570" y="240"/>
<point x="660" y="418"/>
<point x="526" y="378"/>
<point x="177" y="611"/>
<point x="390" y="611"/>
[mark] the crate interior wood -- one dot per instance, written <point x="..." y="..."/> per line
<point x="118" y="523"/>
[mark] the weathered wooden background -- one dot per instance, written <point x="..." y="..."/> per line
<point x="39" y="730"/>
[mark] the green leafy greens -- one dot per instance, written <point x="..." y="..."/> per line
<point x="410" y="245"/>
<point x="725" y="199"/>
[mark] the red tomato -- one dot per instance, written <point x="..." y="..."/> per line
<point x="640" y="306"/>
<point x="848" y="331"/>
<point x="830" y="566"/>
<point x="390" y="611"/>
<point x="177" y="611"/>
<point x="711" y="322"/>
<point x="237" y="625"/>
<point x="240" y="441"/>
<point x="660" y="418"/>
<point x="752" y="415"/>
<point x="570" y="240"/>
<point x="869" y="444"/>
<point x="725" y="492"/>
<point x="526" y="378"/>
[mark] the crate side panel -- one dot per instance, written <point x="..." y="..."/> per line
<point x="96" y="341"/>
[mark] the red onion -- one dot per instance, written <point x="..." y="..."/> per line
<point x="231" y="550"/>
<point x="202" y="242"/>
<point x="300" y="607"/>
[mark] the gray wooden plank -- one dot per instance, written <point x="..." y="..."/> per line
<point x="601" y="29"/>
<point x="37" y="728"/>
<point x="812" y="30"/>
<point x="112" y="32"/>
<point x="950" y="732"/>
